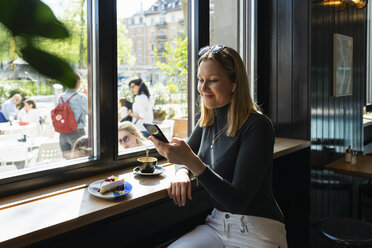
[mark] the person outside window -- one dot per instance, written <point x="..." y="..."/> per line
<point x="129" y="136"/>
<point x="230" y="151"/>
<point x="29" y="112"/>
<point x="124" y="106"/>
<point x="9" y="108"/>
<point x="79" y="106"/>
<point x="81" y="148"/>
<point x="142" y="109"/>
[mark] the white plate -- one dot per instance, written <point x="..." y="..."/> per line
<point x="94" y="187"/>
<point x="158" y="170"/>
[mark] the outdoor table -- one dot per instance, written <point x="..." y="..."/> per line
<point x="30" y="129"/>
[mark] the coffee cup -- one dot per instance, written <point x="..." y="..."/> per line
<point x="147" y="164"/>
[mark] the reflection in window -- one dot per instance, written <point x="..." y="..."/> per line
<point x="160" y="61"/>
<point x="28" y="138"/>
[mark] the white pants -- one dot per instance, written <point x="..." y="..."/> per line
<point x="223" y="229"/>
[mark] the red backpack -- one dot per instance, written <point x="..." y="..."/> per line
<point x="63" y="118"/>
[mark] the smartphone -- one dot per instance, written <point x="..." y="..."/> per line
<point x="155" y="131"/>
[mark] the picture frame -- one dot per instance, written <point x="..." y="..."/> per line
<point x="342" y="65"/>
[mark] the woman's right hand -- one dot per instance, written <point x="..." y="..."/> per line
<point x="180" y="188"/>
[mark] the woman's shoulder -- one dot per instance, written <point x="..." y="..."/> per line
<point x="258" y="120"/>
<point x="141" y="97"/>
<point x="34" y="111"/>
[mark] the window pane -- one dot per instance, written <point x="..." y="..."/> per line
<point x="28" y="139"/>
<point x="224" y="15"/>
<point x="152" y="48"/>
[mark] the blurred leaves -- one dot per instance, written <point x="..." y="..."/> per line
<point x="31" y="19"/>
<point x="49" y="64"/>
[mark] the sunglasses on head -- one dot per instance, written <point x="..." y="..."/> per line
<point x="125" y="139"/>
<point x="214" y="49"/>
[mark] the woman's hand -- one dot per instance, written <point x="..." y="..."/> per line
<point x="180" y="188"/>
<point x="129" y="112"/>
<point x="177" y="151"/>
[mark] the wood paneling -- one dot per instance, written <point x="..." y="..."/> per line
<point x="283" y="65"/>
<point x="336" y="122"/>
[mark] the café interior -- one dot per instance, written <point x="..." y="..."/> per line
<point x="309" y="70"/>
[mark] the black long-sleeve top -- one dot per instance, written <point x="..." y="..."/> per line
<point x="238" y="176"/>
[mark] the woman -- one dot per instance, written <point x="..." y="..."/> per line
<point x="124" y="105"/>
<point x="29" y="112"/>
<point x="142" y="106"/>
<point x="129" y="136"/>
<point x="81" y="147"/>
<point x="230" y="151"/>
<point x="122" y="109"/>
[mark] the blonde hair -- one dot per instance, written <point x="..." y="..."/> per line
<point x="130" y="128"/>
<point x="242" y="104"/>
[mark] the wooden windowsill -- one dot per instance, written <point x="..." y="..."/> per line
<point x="34" y="216"/>
<point x="41" y="214"/>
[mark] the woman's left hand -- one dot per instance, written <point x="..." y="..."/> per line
<point x="177" y="151"/>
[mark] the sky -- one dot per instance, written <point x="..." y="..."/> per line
<point x="125" y="8"/>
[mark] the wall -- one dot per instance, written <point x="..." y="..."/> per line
<point x="336" y="122"/>
<point x="283" y="65"/>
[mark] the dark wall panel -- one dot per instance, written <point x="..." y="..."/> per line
<point x="336" y="122"/>
<point x="283" y="65"/>
<point x="283" y="90"/>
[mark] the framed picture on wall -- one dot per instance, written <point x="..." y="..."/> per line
<point x="342" y="65"/>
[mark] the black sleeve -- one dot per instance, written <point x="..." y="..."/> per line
<point x="253" y="161"/>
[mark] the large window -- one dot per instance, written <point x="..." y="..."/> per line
<point x="28" y="139"/>
<point x="157" y="59"/>
<point x="108" y="57"/>
<point x="237" y="20"/>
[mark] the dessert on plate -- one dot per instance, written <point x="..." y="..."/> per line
<point x="111" y="183"/>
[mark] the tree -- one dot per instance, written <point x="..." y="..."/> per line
<point x="74" y="48"/>
<point x="125" y="45"/>
<point x="27" y="20"/>
<point x="175" y="66"/>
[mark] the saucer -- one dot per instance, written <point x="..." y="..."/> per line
<point x="94" y="187"/>
<point x="158" y="170"/>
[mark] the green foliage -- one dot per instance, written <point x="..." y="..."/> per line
<point x="4" y="43"/>
<point x="46" y="63"/>
<point x="2" y="94"/>
<point x="73" y="48"/>
<point x="124" y="46"/>
<point x="175" y="67"/>
<point x="159" y="94"/>
<point x="27" y="18"/>
<point x="125" y="92"/>
<point x="18" y="90"/>
<point x="24" y="87"/>
<point x="27" y="21"/>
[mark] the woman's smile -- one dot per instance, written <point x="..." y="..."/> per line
<point x="214" y="84"/>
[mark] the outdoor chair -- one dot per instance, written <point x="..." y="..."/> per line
<point x="49" y="151"/>
<point x="14" y="154"/>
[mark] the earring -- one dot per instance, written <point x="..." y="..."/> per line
<point x="233" y="89"/>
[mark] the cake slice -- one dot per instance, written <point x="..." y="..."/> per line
<point x="111" y="183"/>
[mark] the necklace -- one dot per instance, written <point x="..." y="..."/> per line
<point x="217" y="135"/>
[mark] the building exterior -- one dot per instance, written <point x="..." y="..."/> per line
<point x="149" y="31"/>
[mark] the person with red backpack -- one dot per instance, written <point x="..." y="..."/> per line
<point x="69" y="117"/>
